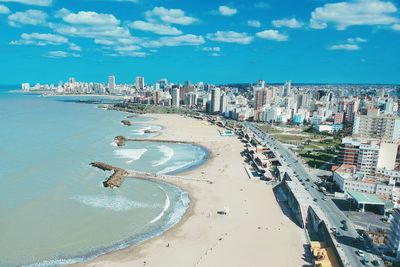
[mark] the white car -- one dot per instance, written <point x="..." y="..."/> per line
<point x="360" y="253"/>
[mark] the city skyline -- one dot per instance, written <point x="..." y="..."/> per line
<point x="217" y="42"/>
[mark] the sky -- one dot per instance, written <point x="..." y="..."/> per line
<point x="306" y="41"/>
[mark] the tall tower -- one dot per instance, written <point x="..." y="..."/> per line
<point x="140" y="83"/>
<point x="215" y="100"/>
<point x="287" y="88"/>
<point x="111" y="84"/>
<point x="175" y="97"/>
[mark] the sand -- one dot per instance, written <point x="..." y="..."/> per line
<point x="254" y="233"/>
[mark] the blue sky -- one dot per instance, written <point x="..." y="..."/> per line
<point x="216" y="41"/>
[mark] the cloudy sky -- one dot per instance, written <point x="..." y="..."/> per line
<point x="215" y="41"/>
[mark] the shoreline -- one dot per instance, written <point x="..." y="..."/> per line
<point x="202" y="212"/>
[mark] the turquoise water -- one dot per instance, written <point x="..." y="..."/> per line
<point x="53" y="207"/>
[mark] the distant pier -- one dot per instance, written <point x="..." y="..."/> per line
<point x="117" y="178"/>
<point x="121" y="140"/>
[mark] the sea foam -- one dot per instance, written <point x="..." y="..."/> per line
<point x="178" y="165"/>
<point x="130" y="154"/>
<point x="115" y="203"/>
<point x="165" y="208"/>
<point x="168" y="154"/>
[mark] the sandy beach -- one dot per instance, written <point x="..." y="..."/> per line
<point x="254" y="233"/>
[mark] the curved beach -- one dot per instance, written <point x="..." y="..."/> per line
<point x="256" y="230"/>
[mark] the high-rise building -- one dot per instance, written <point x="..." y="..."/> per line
<point x="215" y="100"/>
<point x="385" y="127"/>
<point x="190" y="99"/>
<point x="287" y="88"/>
<point x="175" y="97"/>
<point x="223" y="107"/>
<point x="140" y="83"/>
<point x="111" y="84"/>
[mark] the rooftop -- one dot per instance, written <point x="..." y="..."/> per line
<point x="365" y="198"/>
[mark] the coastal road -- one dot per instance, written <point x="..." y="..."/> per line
<point x="334" y="215"/>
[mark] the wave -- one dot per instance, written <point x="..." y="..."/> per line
<point x="178" y="165"/>
<point x="117" y="203"/>
<point x="141" y="131"/>
<point x="178" y="210"/>
<point x="130" y="154"/>
<point x="165" y="208"/>
<point x="168" y="154"/>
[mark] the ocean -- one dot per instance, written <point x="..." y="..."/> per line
<point x="54" y="209"/>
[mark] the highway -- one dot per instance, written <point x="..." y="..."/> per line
<point x="331" y="211"/>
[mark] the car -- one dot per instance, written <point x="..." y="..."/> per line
<point x="307" y="180"/>
<point x="345" y="227"/>
<point x="343" y="221"/>
<point x="324" y="198"/>
<point x="338" y="234"/>
<point x="365" y="261"/>
<point x="360" y="253"/>
<point x="315" y="200"/>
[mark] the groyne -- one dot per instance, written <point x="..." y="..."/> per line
<point x="121" y="140"/>
<point x="116" y="179"/>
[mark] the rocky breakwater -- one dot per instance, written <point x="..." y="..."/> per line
<point x="116" y="179"/>
<point x="120" y="140"/>
<point x="126" y="123"/>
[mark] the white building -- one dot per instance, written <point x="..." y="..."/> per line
<point x="25" y="86"/>
<point x="348" y="179"/>
<point x="139" y="83"/>
<point x="386" y="127"/>
<point x="111" y="84"/>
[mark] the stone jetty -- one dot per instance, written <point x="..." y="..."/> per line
<point x="121" y="140"/>
<point x="116" y="179"/>
<point x="126" y="123"/>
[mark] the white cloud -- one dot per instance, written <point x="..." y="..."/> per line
<point x="227" y="11"/>
<point x="61" y="54"/>
<point x="230" y="37"/>
<point x="348" y="47"/>
<point x="97" y="32"/>
<point x="289" y="23"/>
<point x="211" y="49"/>
<point x="396" y="27"/>
<point x="31" y="17"/>
<point x="88" y="18"/>
<point x="272" y="35"/>
<point x="40" y="39"/>
<point x="128" y="54"/>
<point x="183" y="40"/>
<point x="155" y="28"/>
<point x="351" y="44"/>
<point x="254" y="23"/>
<point x="356" y="40"/>
<point x="172" y="16"/>
<point x="4" y="9"/>
<point x="352" y="13"/>
<point x="116" y="41"/>
<point x="74" y="47"/>
<point x="31" y="2"/>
